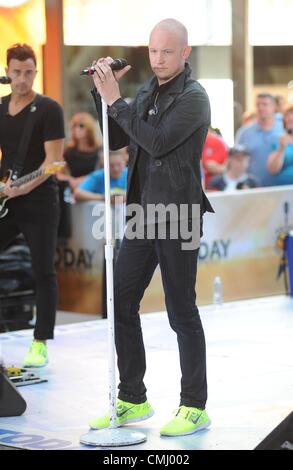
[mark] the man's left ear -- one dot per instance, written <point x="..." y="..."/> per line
<point x="186" y="52"/>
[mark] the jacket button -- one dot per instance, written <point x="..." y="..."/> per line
<point x="158" y="163"/>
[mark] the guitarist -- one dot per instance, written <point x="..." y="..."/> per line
<point x="33" y="208"/>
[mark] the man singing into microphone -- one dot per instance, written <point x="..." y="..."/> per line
<point x="165" y="128"/>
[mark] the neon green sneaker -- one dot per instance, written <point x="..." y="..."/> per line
<point x="187" y="420"/>
<point x="125" y="413"/>
<point x="37" y="355"/>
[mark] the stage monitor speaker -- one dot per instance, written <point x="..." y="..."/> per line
<point x="11" y="402"/>
<point x="281" y="438"/>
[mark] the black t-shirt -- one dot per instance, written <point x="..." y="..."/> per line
<point x="49" y="125"/>
<point x="81" y="163"/>
<point x="143" y="160"/>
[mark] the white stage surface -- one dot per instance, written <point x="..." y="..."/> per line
<point x="250" y="377"/>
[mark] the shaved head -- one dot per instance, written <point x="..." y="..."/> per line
<point x="168" y="49"/>
<point x="175" y="27"/>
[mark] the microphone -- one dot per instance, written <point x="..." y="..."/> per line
<point x="5" y="80"/>
<point x="117" y="64"/>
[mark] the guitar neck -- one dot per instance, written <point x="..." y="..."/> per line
<point x="27" y="178"/>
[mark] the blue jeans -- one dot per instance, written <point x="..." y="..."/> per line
<point x="135" y="265"/>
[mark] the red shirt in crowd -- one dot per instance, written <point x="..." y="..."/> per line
<point x="214" y="149"/>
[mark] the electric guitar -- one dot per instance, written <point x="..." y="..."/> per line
<point x="47" y="170"/>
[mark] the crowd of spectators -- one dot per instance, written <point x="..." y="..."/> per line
<point x="261" y="156"/>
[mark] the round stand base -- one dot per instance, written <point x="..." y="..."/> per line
<point x="113" y="437"/>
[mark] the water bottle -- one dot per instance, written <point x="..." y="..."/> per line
<point x="67" y="195"/>
<point x="218" y="291"/>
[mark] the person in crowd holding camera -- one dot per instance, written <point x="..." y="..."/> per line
<point x="280" y="161"/>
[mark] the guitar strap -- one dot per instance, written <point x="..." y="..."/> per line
<point x="26" y="134"/>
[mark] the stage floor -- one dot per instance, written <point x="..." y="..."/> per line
<point x="250" y="376"/>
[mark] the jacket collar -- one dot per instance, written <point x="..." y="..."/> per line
<point x="146" y="93"/>
<point x="176" y="87"/>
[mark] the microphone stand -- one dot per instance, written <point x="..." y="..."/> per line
<point x="112" y="436"/>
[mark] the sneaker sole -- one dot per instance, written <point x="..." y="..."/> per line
<point x="30" y="366"/>
<point x="128" y="421"/>
<point x="200" y="428"/>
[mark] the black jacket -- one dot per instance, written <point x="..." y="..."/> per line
<point x="174" y="146"/>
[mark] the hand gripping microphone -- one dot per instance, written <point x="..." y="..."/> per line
<point x="5" y="80"/>
<point x="117" y="64"/>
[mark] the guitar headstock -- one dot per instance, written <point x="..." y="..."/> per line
<point x="54" y="168"/>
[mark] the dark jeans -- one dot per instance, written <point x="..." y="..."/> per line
<point x="134" y="269"/>
<point x="38" y="221"/>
